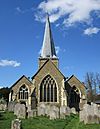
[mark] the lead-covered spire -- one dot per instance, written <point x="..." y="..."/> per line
<point x="48" y="48"/>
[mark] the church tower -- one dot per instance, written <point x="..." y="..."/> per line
<point x="48" y="48"/>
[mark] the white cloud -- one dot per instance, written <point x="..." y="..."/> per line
<point x="22" y="11"/>
<point x="12" y="63"/>
<point x="1" y="87"/>
<point x="72" y="11"/>
<point x="57" y="25"/>
<point x="57" y="49"/>
<point x="91" y="30"/>
<point x="19" y="10"/>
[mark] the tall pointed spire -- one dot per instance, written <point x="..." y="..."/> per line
<point x="48" y="48"/>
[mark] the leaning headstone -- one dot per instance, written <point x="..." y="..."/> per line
<point x="20" y="110"/>
<point x="16" y="124"/>
<point x="11" y="106"/>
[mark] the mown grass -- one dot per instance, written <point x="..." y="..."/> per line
<point x="71" y="122"/>
<point x="5" y="120"/>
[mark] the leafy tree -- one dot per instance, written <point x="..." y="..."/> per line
<point x="4" y="92"/>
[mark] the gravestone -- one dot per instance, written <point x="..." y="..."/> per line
<point x="16" y="124"/>
<point x="11" y="106"/>
<point x="48" y="110"/>
<point x="30" y="113"/>
<point x="3" y="107"/>
<point x="34" y="112"/>
<point x="3" y="104"/>
<point x="90" y="114"/>
<point x="64" y="111"/>
<point x="20" y="110"/>
<point x="54" y="112"/>
<point x="41" y="109"/>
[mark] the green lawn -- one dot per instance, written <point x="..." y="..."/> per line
<point x="71" y="122"/>
<point x="5" y="120"/>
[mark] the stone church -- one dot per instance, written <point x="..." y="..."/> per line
<point x="48" y="85"/>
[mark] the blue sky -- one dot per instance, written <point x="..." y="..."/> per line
<point x="76" y="33"/>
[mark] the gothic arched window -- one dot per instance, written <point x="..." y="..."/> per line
<point x="48" y="90"/>
<point x="23" y="92"/>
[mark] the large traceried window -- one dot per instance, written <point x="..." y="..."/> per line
<point x="23" y="92"/>
<point x="48" y="90"/>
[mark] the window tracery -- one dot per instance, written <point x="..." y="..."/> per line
<point x="48" y="90"/>
<point x="23" y="92"/>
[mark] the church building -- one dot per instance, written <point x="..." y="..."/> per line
<point x="48" y="85"/>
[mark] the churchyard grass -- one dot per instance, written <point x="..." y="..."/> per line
<point x="5" y="120"/>
<point x="71" y="122"/>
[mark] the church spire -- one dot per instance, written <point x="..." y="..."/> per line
<point x="48" y="48"/>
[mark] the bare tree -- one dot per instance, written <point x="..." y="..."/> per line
<point x="89" y="85"/>
<point x="98" y="81"/>
<point x="92" y="82"/>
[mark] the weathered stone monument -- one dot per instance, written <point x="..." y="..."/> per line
<point x="16" y="124"/>
<point x="30" y="113"/>
<point x="64" y="111"/>
<point x="20" y="110"/>
<point x="54" y="112"/>
<point x="48" y="110"/>
<point x="11" y="106"/>
<point x="90" y="114"/>
<point x="3" y="104"/>
<point x="41" y="109"/>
